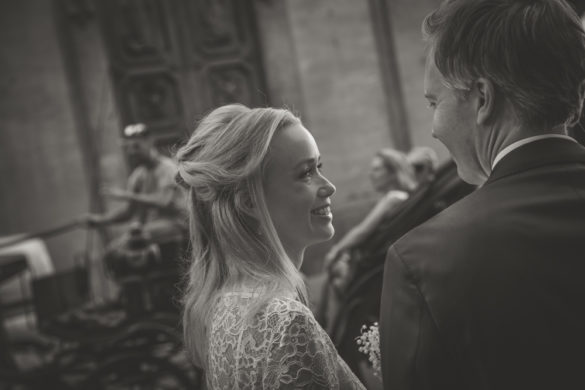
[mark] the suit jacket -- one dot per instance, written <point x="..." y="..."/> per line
<point x="490" y="293"/>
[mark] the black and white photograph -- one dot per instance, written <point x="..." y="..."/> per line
<point x="292" y="194"/>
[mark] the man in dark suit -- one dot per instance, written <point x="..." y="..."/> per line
<point x="490" y="293"/>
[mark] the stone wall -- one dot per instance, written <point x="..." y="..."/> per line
<point x="42" y="173"/>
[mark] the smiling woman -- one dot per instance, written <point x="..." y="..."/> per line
<point x="257" y="200"/>
<point x="297" y="193"/>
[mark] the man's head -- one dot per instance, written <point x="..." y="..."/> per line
<point x="496" y="67"/>
<point x="138" y="144"/>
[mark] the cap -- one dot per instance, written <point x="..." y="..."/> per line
<point x="135" y="130"/>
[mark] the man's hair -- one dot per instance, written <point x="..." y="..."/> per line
<point x="232" y="234"/>
<point x="532" y="50"/>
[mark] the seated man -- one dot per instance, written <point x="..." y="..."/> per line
<point x="153" y="198"/>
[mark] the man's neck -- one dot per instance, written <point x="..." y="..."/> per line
<point x="504" y="137"/>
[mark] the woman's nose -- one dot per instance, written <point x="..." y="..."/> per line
<point x="327" y="189"/>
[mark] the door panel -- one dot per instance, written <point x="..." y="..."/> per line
<point x="172" y="61"/>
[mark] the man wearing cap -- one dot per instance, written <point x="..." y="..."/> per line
<point x="152" y="197"/>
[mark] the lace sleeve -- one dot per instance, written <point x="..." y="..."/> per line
<point x="301" y="355"/>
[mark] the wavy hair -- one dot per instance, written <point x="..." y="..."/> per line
<point x="396" y="161"/>
<point x="232" y="235"/>
<point x="532" y="50"/>
<point x="424" y="162"/>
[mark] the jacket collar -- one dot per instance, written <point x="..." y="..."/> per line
<point x="536" y="154"/>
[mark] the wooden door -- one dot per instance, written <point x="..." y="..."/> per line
<point x="174" y="60"/>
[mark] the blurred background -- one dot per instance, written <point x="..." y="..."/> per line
<point x="74" y="73"/>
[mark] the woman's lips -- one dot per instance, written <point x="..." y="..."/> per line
<point x="324" y="211"/>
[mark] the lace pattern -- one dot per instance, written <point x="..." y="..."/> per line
<point x="282" y="347"/>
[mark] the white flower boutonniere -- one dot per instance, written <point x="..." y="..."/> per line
<point x="369" y="344"/>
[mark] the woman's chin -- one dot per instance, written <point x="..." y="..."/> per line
<point x="318" y="235"/>
<point x="325" y="234"/>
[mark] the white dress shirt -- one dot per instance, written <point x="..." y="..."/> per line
<point x="515" y="145"/>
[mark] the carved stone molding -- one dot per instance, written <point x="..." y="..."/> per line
<point x="216" y="28"/>
<point x="172" y="60"/>
<point x="140" y="32"/>
<point x="231" y="83"/>
<point x="152" y="98"/>
<point x="384" y="34"/>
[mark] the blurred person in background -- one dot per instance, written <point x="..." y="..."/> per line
<point x="424" y="161"/>
<point x="393" y="176"/>
<point x="152" y="197"/>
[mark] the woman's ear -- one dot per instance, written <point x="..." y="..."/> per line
<point x="486" y="100"/>
<point x="249" y="212"/>
<point x="244" y="203"/>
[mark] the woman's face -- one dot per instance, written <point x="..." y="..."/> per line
<point x="382" y="178"/>
<point x="297" y="194"/>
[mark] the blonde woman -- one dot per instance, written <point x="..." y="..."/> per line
<point x="424" y="161"/>
<point x="257" y="199"/>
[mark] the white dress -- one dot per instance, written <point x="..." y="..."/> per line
<point x="282" y="347"/>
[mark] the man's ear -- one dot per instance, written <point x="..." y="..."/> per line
<point x="486" y="100"/>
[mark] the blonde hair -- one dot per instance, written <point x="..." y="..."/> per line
<point x="232" y="234"/>
<point x="396" y="161"/>
<point x="424" y="161"/>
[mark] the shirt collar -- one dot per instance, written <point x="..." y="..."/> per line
<point x="515" y="145"/>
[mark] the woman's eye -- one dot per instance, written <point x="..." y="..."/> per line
<point x="307" y="173"/>
<point x="432" y="105"/>
<point x="310" y="171"/>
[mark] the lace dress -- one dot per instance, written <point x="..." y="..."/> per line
<point x="282" y="347"/>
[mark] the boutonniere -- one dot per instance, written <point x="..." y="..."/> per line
<point x="369" y="344"/>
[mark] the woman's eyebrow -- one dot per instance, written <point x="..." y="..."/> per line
<point x="310" y="160"/>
